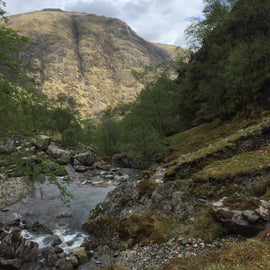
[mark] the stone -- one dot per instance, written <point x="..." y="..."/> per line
<point x="63" y="157"/>
<point x="85" y="159"/>
<point x="121" y="160"/>
<point x="81" y="254"/>
<point x="42" y="142"/>
<point x="264" y="213"/>
<point x="18" y="249"/>
<point x="51" y="258"/>
<point x="250" y="216"/>
<point x="6" y="147"/>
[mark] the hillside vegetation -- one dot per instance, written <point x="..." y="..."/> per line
<point x="87" y="57"/>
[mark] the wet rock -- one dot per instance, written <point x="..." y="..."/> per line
<point x="63" y="215"/>
<point x="79" y="168"/>
<point x="74" y="261"/>
<point x="12" y="264"/>
<point x="15" y="250"/>
<point x="81" y="254"/>
<point x="51" y="258"/>
<point x="38" y="228"/>
<point x="85" y="159"/>
<point x="53" y="240"/>
<point x="64" y="265"/>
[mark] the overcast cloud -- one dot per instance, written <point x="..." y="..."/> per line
<point x="162" y="21"/>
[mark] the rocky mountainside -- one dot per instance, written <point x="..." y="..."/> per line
<point x="86" y="56"/>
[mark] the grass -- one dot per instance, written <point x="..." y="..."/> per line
<point x="242" y="164"/>
<point x="211" y="139"/>
<point x="252" y="254"/>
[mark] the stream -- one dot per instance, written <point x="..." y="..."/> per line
<point x="88" y="189"/>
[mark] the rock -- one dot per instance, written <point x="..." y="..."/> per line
<point x="62" y="156"/>
<point x="250" y="216"/>
<point x="51" y="258"/>
<point x="73" y="260"/>
<point x="81" y="254"/>
<point x="42" y="142"/>
<point x="247" y="222"/>
<point x="65" y="266"/>
<point x="39" y="228"/>
<point x="6" y="147"/>
<point x="17" y="249"/>
<point x="53" y="240"/>
<point x="63" y="215"/>
<point x="85" y="159"/>
<point x="158" y="176"/>
<point x="121" y="160"/>
<point x="12" y="264"/>
<point x="79" y="168"/>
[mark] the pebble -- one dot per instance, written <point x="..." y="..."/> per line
<point x="140" y="258"/>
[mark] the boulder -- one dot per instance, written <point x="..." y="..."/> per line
<point x="15" y="250"/>
<point x="42" y="142"/>
<point x="85" y="159"/>
<point x="62" y="156"/>
<point x="246" y="222"/>
<point x="81" y="254"/>
<point x="121" y="160"/>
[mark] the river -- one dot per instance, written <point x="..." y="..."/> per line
<point x="62" y="220"/>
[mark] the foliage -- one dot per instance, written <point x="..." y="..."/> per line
<point x="230" y="69"/>
<point x="252" y="254"/>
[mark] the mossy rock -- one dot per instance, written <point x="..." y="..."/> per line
<point x="262" y="188"/>
<point x="145" y="229"/>
<point x="207" y="228"/>
<point x="146" y="188"/>
<point x="242" y="202"/>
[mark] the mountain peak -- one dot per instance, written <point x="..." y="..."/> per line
<point x="87" y="56"/>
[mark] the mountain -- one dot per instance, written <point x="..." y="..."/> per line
<point x="88" y="57"/>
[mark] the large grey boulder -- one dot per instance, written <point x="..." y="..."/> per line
<point x="62" y="156"/>
<point x="86" y="159"/>
<point x="248" y="222"/>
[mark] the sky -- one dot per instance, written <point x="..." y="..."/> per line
<point x="162" y="21"/>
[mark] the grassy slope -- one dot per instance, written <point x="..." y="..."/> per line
<point x="210" y="152"/>
<point x="86" y="56"/>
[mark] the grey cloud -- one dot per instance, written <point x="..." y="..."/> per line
<point x="154" y="20"/>
<point x="98" y="7"/>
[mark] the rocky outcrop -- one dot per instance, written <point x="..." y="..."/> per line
<point x="15" y="250"/>
<point x="247" y="222"/>
<point x="135" y="198"/>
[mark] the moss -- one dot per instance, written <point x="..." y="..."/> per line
<point x="206" y="227"/>
<point x="146" y="188"/>
<point x="145" y="229"/>
<point x="241" y="202"/>
<point x="262" y="189"/>
<point x="242" y="164"/>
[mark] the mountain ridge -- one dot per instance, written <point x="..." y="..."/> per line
<point x="86" y="56"/>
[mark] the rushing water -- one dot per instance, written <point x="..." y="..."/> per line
<point x="65" y="221"/>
